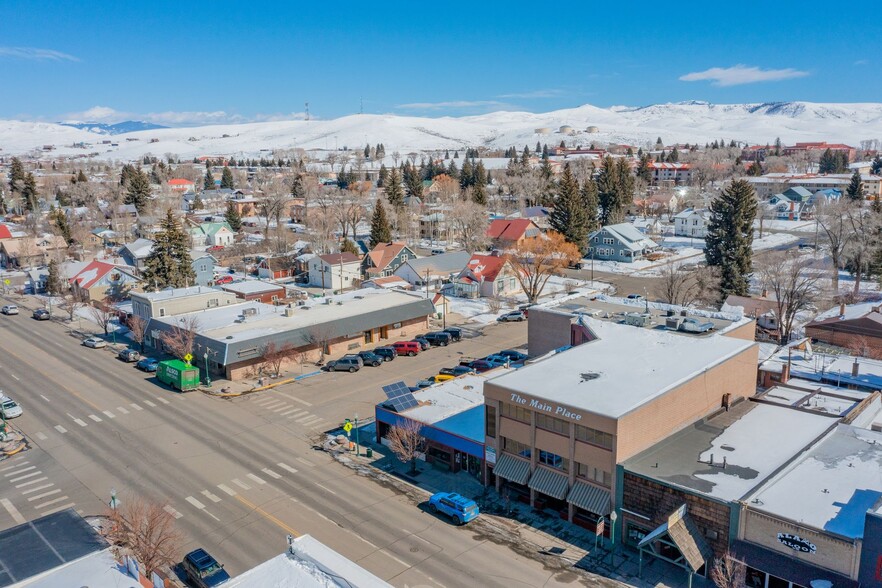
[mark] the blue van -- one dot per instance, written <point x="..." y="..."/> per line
<point x="457" y="507"/>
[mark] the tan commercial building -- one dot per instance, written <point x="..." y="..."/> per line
<point x="556" y="429"/>
<point x="174" y="301"/>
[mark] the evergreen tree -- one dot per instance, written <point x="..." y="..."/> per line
<point x="481" y="175"/>
<point x="349" y="247"/>
<point x="855" y="190"/>
<point x="297" y="188"/>
<point x="876" y="168"/>
<point x="545" y="170"/>
<point x="227" y="178"/>
<point x="394" y="193"/>
<point x="755" y="169"/>
<point x="615" y="187"/>
<point x="467" y="175"/>
<point x="381" y="231"/>
<point x="383" y="176"/>
<point x="538" y="147"/>
<point x="729" y="240"/>
<point x="197" y="203"/>
<point x="453" y="171"/>
<point x="644" y="168"/>
<point x="169" y="263"/>
<point x="525" y="158"/>
<point x="54" y="285"/>
<point x="413" y="182"/>
<point x="59" y="218"/>
<point x="479" y="194"/>
<point x="447" y="154"/>
<point x="456" y="155"/>
<point x="590" y="203"/>
<point x="81" y="177"/>
<point x="208" y="182"/>
<point x="659" y="143"/>
<point x="568" y="217"/>
<point x="674" y="156"/>
<point x="29" y="192"/>
<point x="16" y="176"/>
<point x="840" y="159"/>
<point x="367" y="151"/>
<point x="233" y="218"/>
<point x="138" y="190"/>
<point x="827" y="164"/>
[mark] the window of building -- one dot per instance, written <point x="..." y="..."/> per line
<point x="490" y="424"/>
<point x="516" y="447"/>
<point x="275" y="297"/>
<point x="212" y="303"/>
<point x="553" y="460"/>
<point x="594" y="474"/>
<point x="516" y="412"/>
<point x="550" y="423"/>
<point x="500" y="285"/>
<point x="511" y="283"/>
<point x="594" y="436"/>
<point x="608" y="241"/>
<point x="161" y="312"/>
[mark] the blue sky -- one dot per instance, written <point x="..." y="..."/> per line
<point x="186" y="63"/>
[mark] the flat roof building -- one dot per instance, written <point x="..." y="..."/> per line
<point x="174" y="301"/>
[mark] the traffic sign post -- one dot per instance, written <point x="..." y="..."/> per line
<point x="188" y="358"/>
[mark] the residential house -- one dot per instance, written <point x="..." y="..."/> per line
<point x="211" y="200"/>
<point x="102" y="281"/>
<point x="387" y="283"/>
<point x="622" y="242"/>
<point x="437" y="270"/>
<point x="677" y="173"/>
<point x="103" y="237"/>
<point x="136" y="252"/>
<point x="203" y="266"/>
<point x="385" y="258"/>
<point x="486" y="276"/>
<point x="335" y="271"/>
<point x="5" y="232"/>
<point x="28" y="251"/>
<point x="857" y="327"/>
<point x="174" y="301"/>
<point x="507" y="233"/>
<point x="256" y="290"/>
<point x="434" y="226"/>
<point x="692" y="223"/>
<point x="212" y="234"/>
<point x="276" y="267"/>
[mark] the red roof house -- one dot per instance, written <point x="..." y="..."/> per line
<point x="487" y="276"/>
<point x="507" y="232"/>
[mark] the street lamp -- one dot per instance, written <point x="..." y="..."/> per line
<point x="612" y="535"/>
<point x="207" y="377"/>
<point x="357" y="446"/>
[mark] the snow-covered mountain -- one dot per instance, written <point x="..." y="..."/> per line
<point x="691" y="122"/>
<point x="127" y="126"/>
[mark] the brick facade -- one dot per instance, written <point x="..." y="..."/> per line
<point x="656" y="501"/>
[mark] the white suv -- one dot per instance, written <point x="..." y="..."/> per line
<point x="9" y="309"/>
<point x="9" y="409"/>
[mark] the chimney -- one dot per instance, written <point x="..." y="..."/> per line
<point x="841" y="309"/>
<point x="855" y="368"/>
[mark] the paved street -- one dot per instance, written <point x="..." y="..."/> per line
<point x="237" y="474"/>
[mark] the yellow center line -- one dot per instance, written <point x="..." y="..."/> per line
<point x="60" y="386"/>
<point x="267" y="516"/>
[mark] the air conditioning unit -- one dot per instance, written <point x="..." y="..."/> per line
<point x="249" y="312"/>
<point x="289" y="312"/>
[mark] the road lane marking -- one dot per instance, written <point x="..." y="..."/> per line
<point x="295" y="399"/>
<point x="24" y="477"/>
<point x="122" y="410"/>
<point x="326" y="489"/>
<point x="51" y="502"/>
<point x="285" y="406"/>
<point x="210" y="496"/>
<point x="311" y="420"/>
<point x="302" y="419"/>
<point x="195" y="502"/>
<point x="41" y="436"/>
<point x="271" y="473"/>
<point x="297" y="414"/>
<point x="162" y="400"/>
<point x="241" y="484"/>
<point x="109" y="414"/>
<point x="80" y="422"/>
<point x="256" y="479"/>
<point x="16" y="516"/>
<point x="58" y="509"/>
<point x="286" y="467"/>
<point x="268" y="516"/>
<point x="390" y="556"/>
<point x="17" y="464"/>
<point x="292" y="411"/>
<point x="305" y="461"/>
<point x="44" y="398"/>
<point x="168" y="508"/>
<point x="95" y="418"/>
<point x="16" y="377"/>
<point x="227" y="489"/>
<point x="135" y="406"/>
<point x="20" y="470"/>
<point x="60" y="429"/>
<point x="44" y="495"/>
<point x="150" y="404"/>
<point x="37" y="481"/>
<point x="37" y="489"/>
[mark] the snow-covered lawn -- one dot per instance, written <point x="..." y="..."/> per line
<point x="771" y="240"/>
<point x="802" y="226"/>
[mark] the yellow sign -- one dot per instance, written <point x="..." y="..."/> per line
<point x="7" y="282"/>
<point x="347" y="427"/>
<point x="188" y="357"/>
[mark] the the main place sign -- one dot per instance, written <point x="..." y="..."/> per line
<point x="545" y="407"/>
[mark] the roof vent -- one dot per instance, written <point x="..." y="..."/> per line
<point x="588" y="376"/>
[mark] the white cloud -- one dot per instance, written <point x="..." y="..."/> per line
<point x="35" y="54"/>
<point x="862" y="62"/>
<point x="453" y="104"/>
<point x="553" y="93"/>
<point x="105" y="114"/>
<point x="742" y="74"/>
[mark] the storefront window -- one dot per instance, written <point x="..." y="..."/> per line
<point x="634" y="534"/>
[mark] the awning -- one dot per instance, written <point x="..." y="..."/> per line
<point x="685" y="536"/>
<point x="512" y="469"/>
<point x="591" y="498"/>
<point x="549" y="482"/>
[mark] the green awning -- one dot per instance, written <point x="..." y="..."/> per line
<point x="549" y="482"/>
<point x="512" y="469"/>
<point x="590" y="497"/>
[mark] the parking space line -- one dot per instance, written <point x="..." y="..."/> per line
<point x="227" y="489"/>
<point x="20" y="470"/>
<point x="286" y="467"/>
<point x="271" y="473"/>
<point x="109" y="414"/>
<point x="28" y="483"/>
<point x="256" y="479"/>
<point x="95" y="418"/>
<point x="122" y="410"/>
<point x="44" y="398"/>
<point x="16" y="516"/>
<point x="24" y="477"/>
<point x="37" y="489"/>
<point x="44" y="495"/>
<point x="51" y="502"/>
<point x="58" y="509"/>
<point x="170" y="510"/>
<point x="241" y="484"/>
<point x="135" y="406"/>
<point x="15" y="465"/>
<point x="16" y="377"/>
<point x="195" y="502"/>
<point x="150" y="404"/>
<point x="210" y="496"/>
<point x="60" y="429"/>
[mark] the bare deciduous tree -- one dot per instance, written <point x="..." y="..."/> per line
<point x="145" y="531"/>
<point x="789" y="278"/>
<point x="834" y="226"/>
<point x="468" y="222"/>
<point x="864" y="243"/>
<point x="138" y="328"/>
<point x="320" y="336"/>
<point x="275" y="354"/>
<point x="102" y="313"/>
<point x="728" y="572"/>
<point x="180" y="339"/>
<point x="535" y="260"/>
<point x="406" y="442"/>
<point x="684" y="287"/>
<point x="72" y="303"/>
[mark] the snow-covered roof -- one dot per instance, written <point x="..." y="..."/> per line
<point x="628" y="367"/>
<point x="835" y="370"/>
<point x="629" y="236"/>
<point x="98" y="568"/>
<point x="831" y="486"/>
<point x="172" y="293"/>
<point x="247" y="287"/>
<point x="448" y="398"/>
<point x="852" y="311"/>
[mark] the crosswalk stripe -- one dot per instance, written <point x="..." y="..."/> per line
<point x="285" y="406"/>
<point x="303" y="402"/>
<point x="41" y="436"/>
<point x="24" y="477"/>
<point x="58" y="509"/>
<point x="44" y="494"/>
<point x="109" y="414"/>
<point x="292" y="411"/>
<point x="15" y="465"/>
<point x="95" y="418"/>
<point x="195" y="502"/>
<point x="256" y="479"/>
<point x="29" y="482"/>
<point x="241" y="484"/>
<point x="305" y="461"/>
<point x="227" y="489"/>
<point x="122" y="410"/>
<point x="210" y="496"/>
<point x="20" y="470"/>
<point x="135" y="406"/>
<point x="37" y="489"/>
<point x="266" y="400"/>
<point x="150" y="404"/>
<point x="311" y="420"/>
<point x="60" y="429"/>
<point x="16" y="516"/>
<point x="162" y="400"/>
<point x="286" y="467"/>
<point x="51" y="502"/>
<point x="81" y="422"/>
<point x="170" y="510"/>
<point x="297" y="414"/>
<point x="304" y="419"/>
<point x="271" y="473"/>
<point x="273" y="404"/>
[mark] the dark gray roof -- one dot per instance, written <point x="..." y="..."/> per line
<point x="446" y="262"/>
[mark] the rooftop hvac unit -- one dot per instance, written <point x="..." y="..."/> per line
<point x="329" y="301"/>
<point x="673" y="323"/>
<point x="289" y="312"/>
<point x="249" y="312"/>
<point x="359" y="297"/>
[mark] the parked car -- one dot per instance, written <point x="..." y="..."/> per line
<point x="9" y="408"/>
<point x="228" y="279"/>
<point x="438" y="251"/>
<point x="203" y="571"/>
<point x="388" y="353"/>
<point x="459" y="370"/>
<point x="129" y="355"/>
<point x="497" y="359"/>
<point x="514" y="316"/>
<point x="457" y="507"/>
<point x="481" y="365"/>
<point x="349" y="363"/>
<point x="525" y="308"/>
<point x="215" y="248"/>
<point x="636" y="297"/>
<point x="434" y="380"/>
<point x="691" y="325"/>
<point x="9" y="309"/>
<point x="513" y="355"/>
<point x="94" y="343"/>
<point x="370" y="358"/>
<point x="41" y="314"/>
<point x="439" y="338"/>
<point x="423" y="342"/>
<point x="410" y="348"/>
<point x="147" y="364"/>
<point x="454" y="332"/>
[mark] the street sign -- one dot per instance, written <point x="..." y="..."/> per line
<point x="347" y="427"/>
<point x="7" y="281"/>
<point x="188" y="357"/>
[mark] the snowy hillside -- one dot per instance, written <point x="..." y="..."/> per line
<point x="680" y="122"/>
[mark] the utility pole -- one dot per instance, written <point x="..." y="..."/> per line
<point x="307" y="112"/>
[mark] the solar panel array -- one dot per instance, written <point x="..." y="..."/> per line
<point x="400" y="397"/>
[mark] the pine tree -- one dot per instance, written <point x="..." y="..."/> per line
<point x="481" y="175"/>
<point x="453" y="171"/>
<point x="456" y="154"/>
<point x="394" y="193"/>
<point x="545" y="170"/>
<point x="381" y="231"/>
<point x="467" y="175"/>
<point x="138" y="190"/>
<point x="644" y="168"/>
<point x="479" y="194"/>
<point x="169" y="263"/>
<point x="29" y="192"/>
<point x="367" y="151"/>
<point x="876" y="168"/>
<point x="755" y="169"/>
<point x="855" y="190"/>
<point x="659" y="143"/>
<point x="59" y="218"/>
<point x="349" y="247"/>
<point x="297" y="188"/>
<point x="729" y="240"/>
<point x="208" y="182"/>
<point x="827" y="164"/>
<point x="383" y="177"/>
<point x="590" y="203"/>
<point x="197" y="203"/>
<point x="227" y="179"/>
<point x="233" y="218"/>
<point x="54" y="286"/>
<point x="81" y="177"/>
<point x="16" y="176"/>
<point x="674" y="156"/>
<point x="568" y="217"/>
<point x="615" y="186"/>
